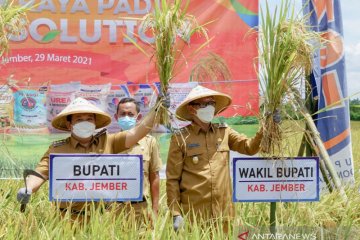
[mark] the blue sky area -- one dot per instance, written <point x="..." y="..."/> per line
<point x="351" y="26"/>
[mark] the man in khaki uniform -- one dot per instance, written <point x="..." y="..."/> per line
<point x="81" y="118"/>
<point x="197" y="170"/>
<point x="127" y="115"/>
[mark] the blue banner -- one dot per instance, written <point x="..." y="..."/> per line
<point x="329" y="85"/>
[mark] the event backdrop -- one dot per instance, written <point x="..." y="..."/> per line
<point x="92" y="58"/>
<point x="92" y="47"/>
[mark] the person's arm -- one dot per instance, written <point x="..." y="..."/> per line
<point x="126" y="139"/>
<point x="174" y="168"/>
<point x="242" y="144"/>
<point x="139" y="131"/>
<point x="34" y="183"/>
<point x="145" y="126"/>
<point x="154" y="179"/>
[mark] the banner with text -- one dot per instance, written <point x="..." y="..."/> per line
<point x="275" y="180"/>
<point x="87" y="177"/>
<point x="329" y="85"/>
<point x="93" y="46"/>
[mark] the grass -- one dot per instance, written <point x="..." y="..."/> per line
<point x="40" y="221"/>
<point x="19" y="152"/>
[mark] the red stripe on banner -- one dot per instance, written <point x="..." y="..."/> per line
<point x="336" y="140"/>
<point x="333" y="51"/>
<point x="331" y="89"/>
<point x="324" y="6"/>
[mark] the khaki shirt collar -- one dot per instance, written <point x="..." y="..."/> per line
<point x="74" y="143"/>
<point x="196" y="128"/>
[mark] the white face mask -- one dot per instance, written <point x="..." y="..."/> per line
<point x="84" y="129"/>
<point x="206" y="114"/>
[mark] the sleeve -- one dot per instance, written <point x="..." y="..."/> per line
<point x="118" y="141"/>
<point x="242" y="144"/>
<point x="155" y="160"/>
<point x="174" y="167"/>
<point x="43" y="166"/>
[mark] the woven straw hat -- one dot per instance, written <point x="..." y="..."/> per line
<point x="222" y="101"/>
<point x="80" y="105"/>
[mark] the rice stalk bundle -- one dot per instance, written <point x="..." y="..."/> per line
<point x="286" y="50"/>
<point x="13" y="21"/>
<point x="171" y="27"/>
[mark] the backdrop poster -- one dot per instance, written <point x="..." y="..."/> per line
<point x="92" y="47"/>
<point x="92" y="50"/>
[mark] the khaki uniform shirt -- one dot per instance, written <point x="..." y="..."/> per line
<point x="197" y="170"/>
<point x="101" y="143"/>
<point x="149" y="149"/>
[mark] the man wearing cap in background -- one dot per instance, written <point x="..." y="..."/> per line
<point x="81" y="118"/>
<point x="197" y="170"/>
<point x="127" y="115"/>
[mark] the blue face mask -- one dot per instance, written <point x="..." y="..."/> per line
<point x="126" y="122"/>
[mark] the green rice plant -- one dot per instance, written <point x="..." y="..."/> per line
<point x="286" y="48"/>
<point x="42" y="221"/>
<point x="172" y="28"/>
<point x="13" y="21"/>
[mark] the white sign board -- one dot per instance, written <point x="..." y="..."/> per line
<point x="93" y="177"/>
<point x="275" y="180"/>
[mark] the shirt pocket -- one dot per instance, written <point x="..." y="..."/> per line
<point x="196" y="158"/>
<point x="223" y="152"/>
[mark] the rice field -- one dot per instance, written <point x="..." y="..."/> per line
<point x="19" y="152"/>
<point x="41" y="221"/>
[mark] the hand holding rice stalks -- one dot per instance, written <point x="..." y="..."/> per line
<point x="286" y="48"/>
<point x="12" y="23"/>
<point x="172" y="27"/>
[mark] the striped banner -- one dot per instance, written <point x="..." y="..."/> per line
<point x="329" y="86"/>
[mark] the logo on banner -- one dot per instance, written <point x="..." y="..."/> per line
<point x="28" y="103"/>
